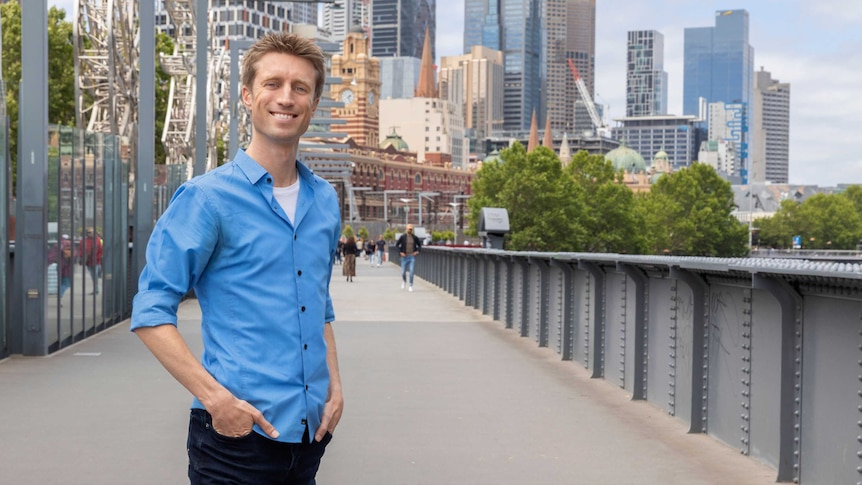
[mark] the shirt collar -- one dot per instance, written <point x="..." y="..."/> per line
<point x="254" y="171"/>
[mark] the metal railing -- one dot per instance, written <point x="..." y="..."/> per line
<point x="762" y="354"/>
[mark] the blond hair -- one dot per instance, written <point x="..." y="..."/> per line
<point x="285" y="43"/>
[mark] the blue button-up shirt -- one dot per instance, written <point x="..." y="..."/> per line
<point x="262" y="283"/>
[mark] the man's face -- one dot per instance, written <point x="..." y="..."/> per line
<point x="280" y="98"/>
<point x="409" y="229"/>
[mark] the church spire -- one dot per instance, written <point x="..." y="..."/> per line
<point x="427" y="87"/>
<point x="548" y="140"/>
<point x="533" y="143"/>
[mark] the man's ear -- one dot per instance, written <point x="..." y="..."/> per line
<point x="314" y="106"/>
<point x="246" y="97"/>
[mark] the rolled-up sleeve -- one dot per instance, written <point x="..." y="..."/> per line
<point x="179" y="248"/>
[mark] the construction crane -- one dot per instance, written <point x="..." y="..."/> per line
<point x="602" y="129"/>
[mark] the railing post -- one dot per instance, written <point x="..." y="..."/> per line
<point x="641" y="321"/>
<point x="598" y="350"/>
<point x="789" y="441"/>
<point x="699" y="357"/>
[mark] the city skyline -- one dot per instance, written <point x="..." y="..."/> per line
<point x="816" y="47"/>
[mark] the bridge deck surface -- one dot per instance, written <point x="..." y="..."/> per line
<point x="436" y="393"/>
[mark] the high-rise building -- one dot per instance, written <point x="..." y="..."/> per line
<point x="483" y="18"/>
<point x="341" y="16"/>
<point x="522" y="58"/>
<point x="475" y="81"/>
<point x="719" y="62"/>
<point x="648" y="135"/>
<point x="581" y="48"/>
<point x="771" y="127"/>
<point x="398" y="27"/>
<point x="399" y="76"/>
<point x="646" y="79"/>
<point x="246" y="19"/>
<point x="719" y="67"/>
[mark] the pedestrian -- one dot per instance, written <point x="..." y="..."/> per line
<point x="65" y="263"/>
<point x="350" y="253"/>
<point x="339" y="249"/>
<point x="369" y="250"/>
<point x="92" y="257"/>
<point x="255" y="239"/>
<point x="408" y="248"/>
<point x="381" y="249"/>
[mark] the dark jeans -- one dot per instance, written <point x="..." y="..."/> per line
<point x="251" y="459"/>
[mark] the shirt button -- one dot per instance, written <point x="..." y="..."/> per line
<point x="299" y="273"/>
<point x="268" y="180"/>
<point x="303" y="309"/>
<point x="305" y="346"/>
<point x="306" y="387"/>
<point x="303" y="422"/>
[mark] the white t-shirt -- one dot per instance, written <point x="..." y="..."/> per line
<point x="286" y="197"/>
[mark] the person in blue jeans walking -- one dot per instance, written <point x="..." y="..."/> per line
<point x="408" y="248"/>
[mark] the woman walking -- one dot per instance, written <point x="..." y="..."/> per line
<point x="349" y="268"/>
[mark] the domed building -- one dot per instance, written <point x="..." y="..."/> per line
<point x="394" y="140"/>
<point x="626" y="159"/>
<point x="660" y="166"/>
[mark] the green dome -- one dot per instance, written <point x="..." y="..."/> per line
<point x="626" y="159"/>
<point x="394" y="140"/>
<point x="661" y="155"/>
<point x="492" y="157"/>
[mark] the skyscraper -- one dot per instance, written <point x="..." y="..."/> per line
<point x="398" y="27"/>
<point x="719" y="66"/>
<point x="581" y="48"/>
<point x="341" y="16"/>
<point x="719" y="62"/>
<point x="646" y="79"/>
<point x="482" y="22"/>
<point x="522" y="56"/>
<point x="771" y="128"/>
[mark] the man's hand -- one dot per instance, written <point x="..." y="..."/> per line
<point x="402" y="254"/>
<point x="331" y="414"/>
<point x="235" y="418"/>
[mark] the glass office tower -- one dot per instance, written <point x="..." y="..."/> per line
<point x="719" y="62"/>
<point x="482" y="24"/>
<point x="398" y="27"/>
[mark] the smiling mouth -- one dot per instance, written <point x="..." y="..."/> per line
<point x="283" y="116"/>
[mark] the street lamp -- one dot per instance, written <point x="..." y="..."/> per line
<point x="455" y="204"/>
<point x="406" y="208"/>
<point x="386" y="205"/>
<point x="428" y="196"/>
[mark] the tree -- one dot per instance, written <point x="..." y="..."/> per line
<point x="61" y="70"/>
<point x="532" y="187"/>
<point x="164" y="45"/>
<point x="609" y="209"/>
<point x="689" y="212"/>
<point x="778" y="231"/>
<point x="829" y="222"/>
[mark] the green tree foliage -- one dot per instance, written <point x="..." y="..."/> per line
<point x="823" y="221"/>
<point x="608" y="209"/>
<point x="829" y="222"/>
<point x="363" y="233"/>
<point x="778" y="231"/>
<point x="347" y="231"/>
<point x="542" y="214"/>
<point x="61" y="70"/>
<point x="164" y="45"/>
<point x="689" y="213"/>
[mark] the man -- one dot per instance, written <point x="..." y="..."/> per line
<point x="408" y="248"/>
<point x="255" y="238"/>
<point x="381" y="249"/>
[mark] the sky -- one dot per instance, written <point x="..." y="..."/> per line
<point x="816" y="46"/>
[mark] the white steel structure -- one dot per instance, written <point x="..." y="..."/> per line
<point x="106" y="59"/>
<point x="601" y="129"/>
<point x="178" y="133"/>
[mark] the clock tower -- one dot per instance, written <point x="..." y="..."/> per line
<point x="359" y="90"/>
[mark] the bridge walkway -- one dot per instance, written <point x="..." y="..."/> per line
<point x="436" y="393"/>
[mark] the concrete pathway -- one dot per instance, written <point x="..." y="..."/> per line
<point x="436" y="393"/>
